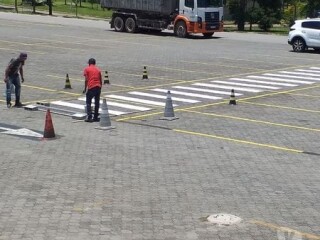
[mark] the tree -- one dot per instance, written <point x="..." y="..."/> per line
<point x="311" y="7"/>
<point x="238" y="11"/>
<point x="271" y="13"/>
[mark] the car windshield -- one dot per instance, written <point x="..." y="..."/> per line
<point x="209" y="3"/>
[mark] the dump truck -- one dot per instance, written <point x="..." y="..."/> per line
<point x="184" y="17"/>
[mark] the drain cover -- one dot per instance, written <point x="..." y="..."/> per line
<point x="223" y="219"/>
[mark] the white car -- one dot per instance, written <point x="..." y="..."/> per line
<point x="305" y="34"/>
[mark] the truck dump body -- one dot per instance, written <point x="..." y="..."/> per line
<point x="163" y="7"/>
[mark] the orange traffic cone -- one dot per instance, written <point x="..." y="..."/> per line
<point x="48" y="128"/>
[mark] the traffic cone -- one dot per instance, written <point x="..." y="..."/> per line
<point x="168" y="110"/>
<point x="232" y="98"/>
<point x="106" y="78"/>
<point x="145" y="73"/>
<point x="105" y="123"/>
<point x="48" y="128"/>
<point x="68" y="84"/>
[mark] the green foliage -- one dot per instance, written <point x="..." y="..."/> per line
<point x="65" y="7"/>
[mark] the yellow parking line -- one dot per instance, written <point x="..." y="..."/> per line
<point x="17" y="50"/>
<point x="222" y="65"/>
<point x="286" y="230"/>
<point x="238" y="141"/>
<point x="284" y="107"/>
<point x="252" y="120"/>
<point x="61" y="77"/>
<point x="303" y="95"/>
<point x="138" y="116"/>
<point x="52" y="90"/>
<point x="180" y="70"/>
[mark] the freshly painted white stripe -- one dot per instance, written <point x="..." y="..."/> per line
<point x="68" y="104"/>
<point x="245" y="85"/>
<point x="317" y="68"/>
<point x="264" y="82"/>
<point x="138" y="100"/>
<point x="163" y="97"/>
<point x="128" y="106"/>
<point x="301" y="73"/>
<point x="307" y="70"/>
<point x="228" y="87"/>
<point x="187" y="94"/>
<point x="122" y="105"/>
<point x="205" y="90"/>
<point x="80" y="106"/>
<point x="291" y="77"/>
<point x="270" y="77"/>
<point x="22" y="132"/>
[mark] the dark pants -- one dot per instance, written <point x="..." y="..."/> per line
<point x="14" y="80"/>
<point x="93" y="93"/>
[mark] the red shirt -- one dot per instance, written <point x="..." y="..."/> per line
<point x="93" y="76"/>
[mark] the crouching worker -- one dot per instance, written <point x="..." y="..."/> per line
<point x="13" y="73"/>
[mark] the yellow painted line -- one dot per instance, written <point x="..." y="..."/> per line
<point x="238" y="141"/>
<point x="110" y="40"/>
<point x="275" y="227"/>
<point x="283" y="107"/>
<point x="180" y="70"/>
<point x="82" y="80"/>
<point x="151" y="77"/>
<point x="252" y="120"/>
<point x="52" y="90"/>
<point x="138" y="116"/>
<point x="61" y="77"/>
<point x="17" y="50"/>
<point x="221" y="65"/>
<point x="19" y="43"/>
<point x="303" y="95"/>
<point x="45" y="45"/>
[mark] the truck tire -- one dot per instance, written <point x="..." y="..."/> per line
<point x="207" y="35"/>
<point x="130" y="25"/>
<point x="118" y="24"/>
<point x="180" y="29"/>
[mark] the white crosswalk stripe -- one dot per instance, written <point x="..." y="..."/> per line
<point x="308" y="70"/>
<point x="122" y="105"/>
<point x="187" y="94"/>
<point x="163" y="97"/>
<point x="82" y="107"/>
<point x="138" y="100"/>
<point x="146" y="100"/>
<point x="245" y="84"/>
<point x="301" y="73"/>
<point x="206" y="90"/>
<point x="228" y="87"/>
<point x="274" y="78"/>
<point x="302" y="79"/>
<point x="264" y="82"/>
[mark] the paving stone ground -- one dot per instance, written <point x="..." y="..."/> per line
<point x="150" y="179"/>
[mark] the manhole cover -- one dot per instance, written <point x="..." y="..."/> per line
<point x="223" y="219"/>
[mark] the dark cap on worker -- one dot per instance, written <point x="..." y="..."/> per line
<point x="23" y="56"/>
<point x="92" y="61"/>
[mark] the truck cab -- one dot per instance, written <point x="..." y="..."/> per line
<point x="199" y="16"/>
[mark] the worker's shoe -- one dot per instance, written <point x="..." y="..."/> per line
<point x="96" y="119"/>
<point x="18" y="105"/>
<point x="89" y="120"/>
<point x="9" y="105"/>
